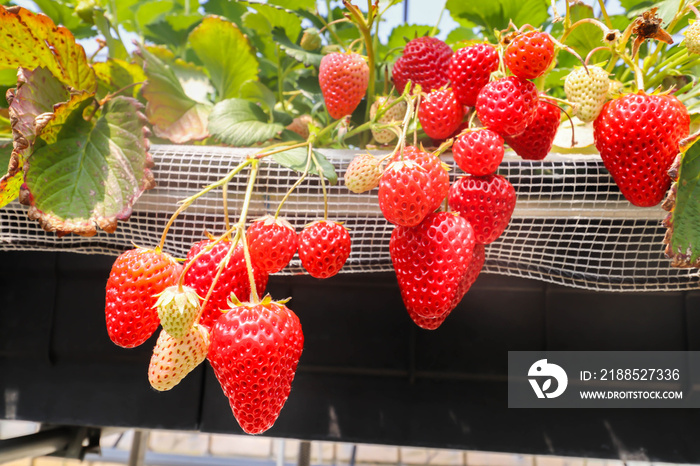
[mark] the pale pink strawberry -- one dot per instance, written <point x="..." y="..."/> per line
<point x="174" y="358"/>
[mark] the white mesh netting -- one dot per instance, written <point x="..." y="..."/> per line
<point x="571" y="226"/>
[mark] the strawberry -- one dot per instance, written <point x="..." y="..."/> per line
<point x="255" y="349"/>
<point x="424" y="61"/>
<point x="438" y="177"/>
<point x="529" y="54"/>
<point x="394" y="114"/>
<point x="588" y="91"/>
<point x="272" y="243"/>
<point x="536" y="141"/>
<point x="233" y="278"/>
<point x="300" y="125"/>
<point x="507" y="105"/>
<point x="174" y="358"/>
<point x="343" y="78"/>
<point x="637" y="136"/>
<point x="324" y="246"/>
<point x="363" y="173"/>
<point x="404" y="196"/>
<point x="487" y="202"/>
<point x="440" y="114"/>
<point x="137" y="276"/>
<point x="470" y="70"/>
<point x="178" y="308"/>
<point x="692" y="37"/>
<point x="478" y="151"/>
<point x="475" y="265"/>
<point x="430" y="261"/>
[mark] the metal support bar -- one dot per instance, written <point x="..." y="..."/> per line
<point x="42" y="443"/>
<point x="138" y="448"/>
<point x="304" y="453"/>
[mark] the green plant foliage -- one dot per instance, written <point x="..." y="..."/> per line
<point x="239" y="122"/>
<point x="497" y="14"/>
<point x="684" y="245"/>
<point x="225" y="54"/>
<point x="296" y="159"/>
<point x="173" y="114"/>
<point x="85" y="174"/>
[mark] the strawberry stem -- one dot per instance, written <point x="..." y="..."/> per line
<point x="254" y="298"/>
<point x="319" y="169"/>
<point x="297" y="183"/>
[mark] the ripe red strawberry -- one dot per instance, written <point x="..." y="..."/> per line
<point x="343" y="78"/>
<point x="174" y="358"/>
<point x="478" y="151"/>
<point x="487" y="202"/>
<point x="324" y="246"/>
<point x="536" y="141"/>
<point x="424" y="61"/>
<point x="430" y="261"/>
<point x="255" y="349"/>
<point x="475" y="265"/>
<point x="529" y="54"/>
<point x="637" y="136"/>
<point x="440" y="114"/>
<point x="363" y="173"/>
<point x="470" y="70"/>
<point x="178" y="308"/>
<point x="272" y="243"/>
<point x="405" y="197"/>
<point x="233" y="278"/>
<point x="438" y="177"/>
<point x="507" y="105"/>
<point x="137" y="276"/>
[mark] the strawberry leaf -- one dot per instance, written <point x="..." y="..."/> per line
<point x="36" y="93"/>
<point x="84" y="174"/>
<point x="115" y="74"/>
<point x="496" y="14"/>
<point x="295" y="159"/>
<point x="225" y="54"/>
<point x="11" y="182"/>
<point x="29" y="40"/>
<point x="173" y="114"/>
<point x="683" y="246"/>
<point x="295" y="51"/>
<point x="239" y="122"/>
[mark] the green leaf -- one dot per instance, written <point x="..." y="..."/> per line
<point x="296" y="159"/>
<point x="226" y="54"/>
<point x="239" y="122"/>
<point x="61" y="13"/>
<point x="278" y="17"/>
<point x="173" y="29"/>
<point x="295" y="4"/>
<point x="94" y="171"/>
<point x="295" y="51"/>
<point x="461" y="35"/>
<point x="231" y="10"/>
<point x="583" y="39"/>
<point x="151" y="11"/>
<point x="685" y="231"/>
<point x="636" y="4"/>
<point x="115" y="74"/>
<point x="496" y="14"/>
<point x="173" y="114"/>
<point x="400" y="33"/>
<point x="258" y="93"/>
<point x="30" y="41"/>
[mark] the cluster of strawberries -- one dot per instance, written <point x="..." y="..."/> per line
<point x="253" y="347"/>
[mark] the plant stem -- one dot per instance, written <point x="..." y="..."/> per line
<point x="319" y="169"/>
<point x="604" y="12"/>
<point x="434" y="30"/>
<point x="297" y="183"/>
<point x="254" y="298"/>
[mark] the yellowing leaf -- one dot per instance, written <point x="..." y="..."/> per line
<point x="115" y="74"/>
<point x="31" y="40"/>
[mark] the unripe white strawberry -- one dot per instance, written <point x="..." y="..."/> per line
<point x="393" y="115"/>
<point x="174" y="358"/>
<point x="363" y="173"/>
<point x="692" y="37"/>
<point x="589" y="91"/>
<point x="178" y="308"/>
